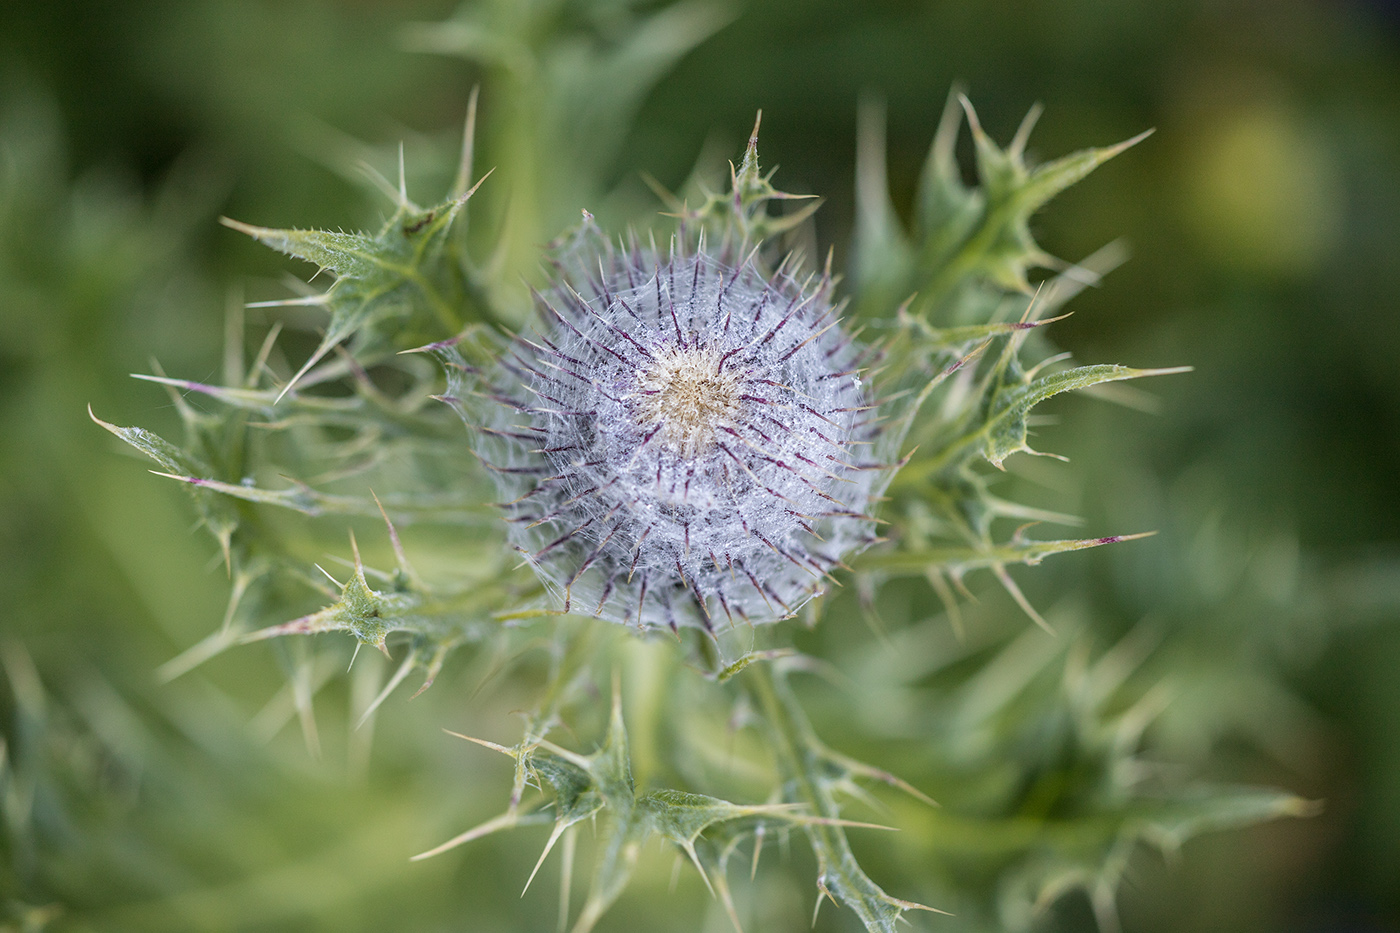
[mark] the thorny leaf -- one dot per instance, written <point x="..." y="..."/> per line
<point x="400" y="274"/>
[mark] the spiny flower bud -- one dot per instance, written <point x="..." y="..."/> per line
<point x="683" y="441"/>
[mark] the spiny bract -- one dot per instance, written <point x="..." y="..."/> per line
<point x="682" y="440"/>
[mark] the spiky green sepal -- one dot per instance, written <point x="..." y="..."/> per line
<point x="955" y="353"/>
<point x="392" y="290"/>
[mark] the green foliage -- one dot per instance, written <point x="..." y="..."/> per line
<point x="960" y="404"/>
<point x="1053" y="759"/>
<point x="372" y="275"/>
<point x="562" y="78"/>
<point x="1046" y="780"/>
<point x="584" y="786"/>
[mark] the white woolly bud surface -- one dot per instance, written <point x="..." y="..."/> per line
<point x="683" y="443"/>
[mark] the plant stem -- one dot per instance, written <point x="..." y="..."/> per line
<point x="800" y="759"/>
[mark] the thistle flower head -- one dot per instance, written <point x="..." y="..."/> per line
<point x="683" y="439"/>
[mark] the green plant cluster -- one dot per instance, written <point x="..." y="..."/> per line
<point x="356" y="430"/>
<point x="910" y="738"/>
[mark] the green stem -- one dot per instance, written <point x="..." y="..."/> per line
<point x="799" y="755"/>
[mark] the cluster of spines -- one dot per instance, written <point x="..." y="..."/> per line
<point x="795" y="446"/>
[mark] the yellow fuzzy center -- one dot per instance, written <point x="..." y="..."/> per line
<point x="689" y="395"/>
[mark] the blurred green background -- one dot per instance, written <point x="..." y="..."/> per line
<point x="1264" y="222"/>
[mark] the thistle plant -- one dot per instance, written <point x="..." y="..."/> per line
<point x="695" y="433"/>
